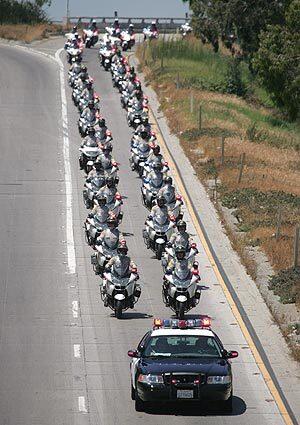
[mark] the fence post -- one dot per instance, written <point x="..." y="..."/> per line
<point x="242" y="163"/>
<point x="222" y="149"/>
<point x="177" y="81"/>
<point x="278" y="225"/>
<point x="192" y="102"/>
<point x="296" y="247"/>
<point x="200" y="118"/>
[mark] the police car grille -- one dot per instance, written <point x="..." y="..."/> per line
<point x="183" y="378"/>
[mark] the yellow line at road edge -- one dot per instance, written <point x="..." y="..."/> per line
<point x="258" y="359"/>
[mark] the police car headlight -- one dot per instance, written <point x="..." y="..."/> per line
<point x="151" y="379"/>
<point x="219" y="379"/>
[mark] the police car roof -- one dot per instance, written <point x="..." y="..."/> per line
<point x="179" y="332"/>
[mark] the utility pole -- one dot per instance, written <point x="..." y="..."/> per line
<point x="68" y="12"/>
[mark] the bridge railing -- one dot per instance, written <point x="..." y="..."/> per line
<point x="163" y="24"/>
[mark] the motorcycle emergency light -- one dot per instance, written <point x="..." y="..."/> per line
<point x="178" y="197"/>
<point x="118" y="197"/>
<point x="203" y="322"/>
<point x="193" y="245"/>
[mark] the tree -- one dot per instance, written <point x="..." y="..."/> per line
<point x="236" y="19"/>
<point x="277" y="61"/>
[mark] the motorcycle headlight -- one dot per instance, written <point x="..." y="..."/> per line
<point x="219" y="379"/>
<point x="151" y="379"/>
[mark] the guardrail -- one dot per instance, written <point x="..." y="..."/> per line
<point x="163" y="24"/>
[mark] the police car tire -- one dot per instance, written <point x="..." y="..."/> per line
<point x="132" y="393"/>
<point x="227" y="405"/>
<point x="139" y="404"/>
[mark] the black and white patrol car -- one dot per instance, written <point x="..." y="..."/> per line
<point x="181" y="360"/>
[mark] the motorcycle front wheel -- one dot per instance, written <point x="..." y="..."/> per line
<point x="159" y="251"/>
<point x="180" y="312"/>
<point x="118" y="309"/>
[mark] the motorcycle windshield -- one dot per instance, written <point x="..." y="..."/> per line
<point x="144" y="148"/>
<point x="169" y="195"/>
<point x="156" y="182"/>
<point x="91" y="152"/>
<point x="182" y="273"/>
<point x="100" y="217"/>
<point x="161" y="219"/>
<point x="120" y="273"/>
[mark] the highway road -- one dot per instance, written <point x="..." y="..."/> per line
<point x="63" y="356"/>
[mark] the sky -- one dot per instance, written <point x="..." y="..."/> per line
<point x="126" y="8"/>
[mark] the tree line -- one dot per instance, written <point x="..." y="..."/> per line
<point x="265" y="33"/>
<point x="23" y="12"/>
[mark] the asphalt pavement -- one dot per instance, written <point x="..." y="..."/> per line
<point x="63" y="356"/>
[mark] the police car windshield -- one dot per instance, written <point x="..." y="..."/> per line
<point x="192" y="346"/>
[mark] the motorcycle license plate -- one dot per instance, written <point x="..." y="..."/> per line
<point x="185" y="393"/>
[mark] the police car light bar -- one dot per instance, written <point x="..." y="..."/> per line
<point x="202" y="322"/>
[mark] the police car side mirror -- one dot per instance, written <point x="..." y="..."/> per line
<point x="232" y="354"/>
<point x="133" y="353"/>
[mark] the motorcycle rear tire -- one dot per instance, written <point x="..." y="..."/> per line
<point x="118" y="309"/>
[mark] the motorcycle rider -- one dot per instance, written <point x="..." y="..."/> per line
<point x="116" y="24"/>
<point x="96" y="171"/>
<point x="131" y="29"/>
<point x="90" y="112"/>
<point x="93" y="25"/>
<point x="160" y="209"/>
<point x="153" y="27"/>
<point x="102" y="129"/>
<point x="100" y="208"/>
<point x="109" y="190"/>
<point x="112" y="235"/>
<point x="181" y="237"/>
<point x="91" y="141"/>
<point x="168" y="188"/>
<point x="88" y="92"/>
<point x="155" y="157"/>
<point x="145" y="125"/>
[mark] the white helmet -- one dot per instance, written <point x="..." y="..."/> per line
<point x="153" y="22"/>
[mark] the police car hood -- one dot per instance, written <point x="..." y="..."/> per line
<point x="209" y="366"/>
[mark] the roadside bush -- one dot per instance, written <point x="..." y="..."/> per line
<point x="286" y="284"/>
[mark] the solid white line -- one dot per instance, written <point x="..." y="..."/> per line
<point x="81" y="405"/>
<point x="75" y="307"/>
<point x="77" y="351"/>
<point x="68" y="177"/>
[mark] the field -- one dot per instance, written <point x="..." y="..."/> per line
<point x="263" y="193"/>
<point x="29" y="33"/>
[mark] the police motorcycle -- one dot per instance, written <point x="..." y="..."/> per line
<point x="84" y="123"/>
<point x="74" y="72"/>
<point x="90" y="37"/>
<point x="91" y="188"/>
<point x="185" y="29"/>
<point x="125" y="40"/>
<point x="181" y="289"/>
<point x="120" y="290"/>
<point x="96" y="221"/>
<point x="106" y="53"/>
<point x="113" y="198"/>
<point x="106" y="247"/>
<point x="174" y="201"/>
<point x="89" y="153"/>
<point x="151" y="32"/>
<point x="157" y="233"/>
<point x="182" y="239"/>
<point x="151" y="185"/>
<point x="140" y="151"/>
<point x="135" y="112"/>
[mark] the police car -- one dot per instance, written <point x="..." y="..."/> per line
<point x="181" y="360"/>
